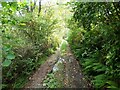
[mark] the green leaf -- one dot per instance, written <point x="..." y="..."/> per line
<point x="22" y="24"/>
<point x="99" y="80"/>
<point x="4" y="85"/>
<point x="99" y="83"/>
<point x="4" y="4"/>
<point x="113" y="87"/>
<point x="6" y="48"/>
<point x="100" y="77"/>
<point x="10" y="56"/>
<point x="6" y="63"/>
<point x="112" y="84"/>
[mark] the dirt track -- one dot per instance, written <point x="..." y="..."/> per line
<point x="35" y="81"/>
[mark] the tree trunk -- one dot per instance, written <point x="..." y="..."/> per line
<point x="39" y="8"/>
<point x="34" y="5"/>
<point x="31" y="6"/>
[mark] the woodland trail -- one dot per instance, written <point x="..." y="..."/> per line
<point x="35" y="81"/>
<point x="70" y="74"/>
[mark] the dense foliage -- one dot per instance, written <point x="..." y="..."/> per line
<point x="28" y="38"/>
<point x="25" y="37"/>
<point x="95" y="40"/>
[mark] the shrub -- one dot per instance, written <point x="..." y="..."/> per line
<point x="94" y="39"/>
<point x="25" y="39"/>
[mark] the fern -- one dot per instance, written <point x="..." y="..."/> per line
<point x="99" y="80"/>
<point x="111" y="84"/>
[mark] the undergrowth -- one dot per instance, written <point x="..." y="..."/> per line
<point x="51" y="81"/>
<point x="27" y="41"/>
<point x="95" y="40"/>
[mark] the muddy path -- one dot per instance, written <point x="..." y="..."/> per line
<point x="70" y="73"/>
<point x="35" y="81"/>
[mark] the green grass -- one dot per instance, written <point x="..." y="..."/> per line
<point x="63" y="47"/>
